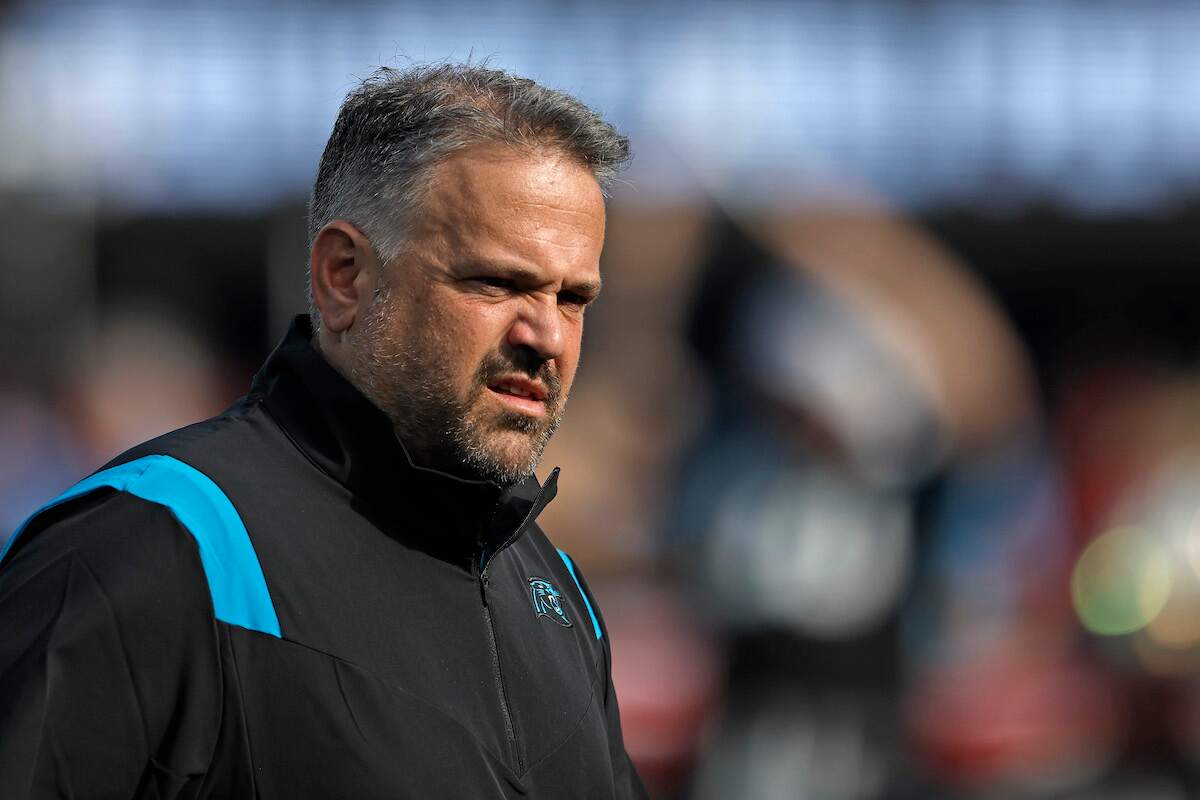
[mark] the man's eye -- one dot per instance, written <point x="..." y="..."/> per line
<point x="572" y="299"/>
<point x="495" y="283"/>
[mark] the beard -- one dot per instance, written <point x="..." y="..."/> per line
<point x="407" y="374"/>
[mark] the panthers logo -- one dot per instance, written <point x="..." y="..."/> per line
<point x="547" y="601"/>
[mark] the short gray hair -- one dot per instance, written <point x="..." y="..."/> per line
<point x="400" y="123"/>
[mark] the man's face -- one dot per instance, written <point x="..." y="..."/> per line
<point x="471" y="341"/>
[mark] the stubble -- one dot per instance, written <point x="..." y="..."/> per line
<point x="407" y="374"/>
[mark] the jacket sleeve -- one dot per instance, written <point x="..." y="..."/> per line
<point x="109" y="668"/>
<point x="628" y="782"/>
<point x="626" y="777"/>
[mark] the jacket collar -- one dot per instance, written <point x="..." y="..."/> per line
<point x="350" y="439"/>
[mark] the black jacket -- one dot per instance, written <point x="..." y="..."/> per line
<point x="276" y="603"/>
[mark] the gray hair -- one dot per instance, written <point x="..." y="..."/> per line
<point x="400" y="123"/>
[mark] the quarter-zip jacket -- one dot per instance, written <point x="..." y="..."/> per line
<point x="277" y="603"/>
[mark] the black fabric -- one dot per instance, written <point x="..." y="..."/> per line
<point x="412" y="661"/>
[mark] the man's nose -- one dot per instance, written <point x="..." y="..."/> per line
<point x="539" y="327"/>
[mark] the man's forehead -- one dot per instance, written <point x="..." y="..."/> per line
<point x="492" y="174"/>
<point x="511" y="205"/>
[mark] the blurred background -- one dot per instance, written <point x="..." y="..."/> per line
<point x="885" y="458"/>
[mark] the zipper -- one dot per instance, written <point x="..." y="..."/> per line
<point x="544" y="496"/>
<point x="509" y="729"/>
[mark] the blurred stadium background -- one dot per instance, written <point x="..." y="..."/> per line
<point x="885" y="460"/>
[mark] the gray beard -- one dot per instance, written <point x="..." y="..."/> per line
<point x="477" y="462"/>
<point x="407" y="380"/>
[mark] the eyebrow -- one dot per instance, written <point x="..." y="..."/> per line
<point x="589" y="288"/>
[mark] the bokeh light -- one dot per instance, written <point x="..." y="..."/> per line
<point x="1121" y="581"/>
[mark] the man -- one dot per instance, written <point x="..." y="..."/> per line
<point x="337" y="588"/>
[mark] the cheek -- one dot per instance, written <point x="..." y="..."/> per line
<point x="467" y="334"/>
<point x="569" y="360"/>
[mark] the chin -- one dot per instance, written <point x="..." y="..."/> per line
<point x="515" y="458"/>
<point x="506" y="463"/>
<point x="504" y="448"/>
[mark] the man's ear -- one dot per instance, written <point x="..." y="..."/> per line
<point x="344" y="266"/>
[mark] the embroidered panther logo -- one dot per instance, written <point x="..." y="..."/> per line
<point x="547" y="601"/>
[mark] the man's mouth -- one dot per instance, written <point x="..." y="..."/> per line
<point x="520" y="394"/>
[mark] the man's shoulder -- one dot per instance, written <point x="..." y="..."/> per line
<point x="168" y="506"/>
<point x="126" y="544"/>
<point x="124" y="519"/>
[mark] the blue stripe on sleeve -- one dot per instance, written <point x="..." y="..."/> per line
<point x="235" y="578"/>
<point x="571" y="568"/>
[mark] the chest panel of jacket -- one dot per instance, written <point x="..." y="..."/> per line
<point x="409" y="639"/>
